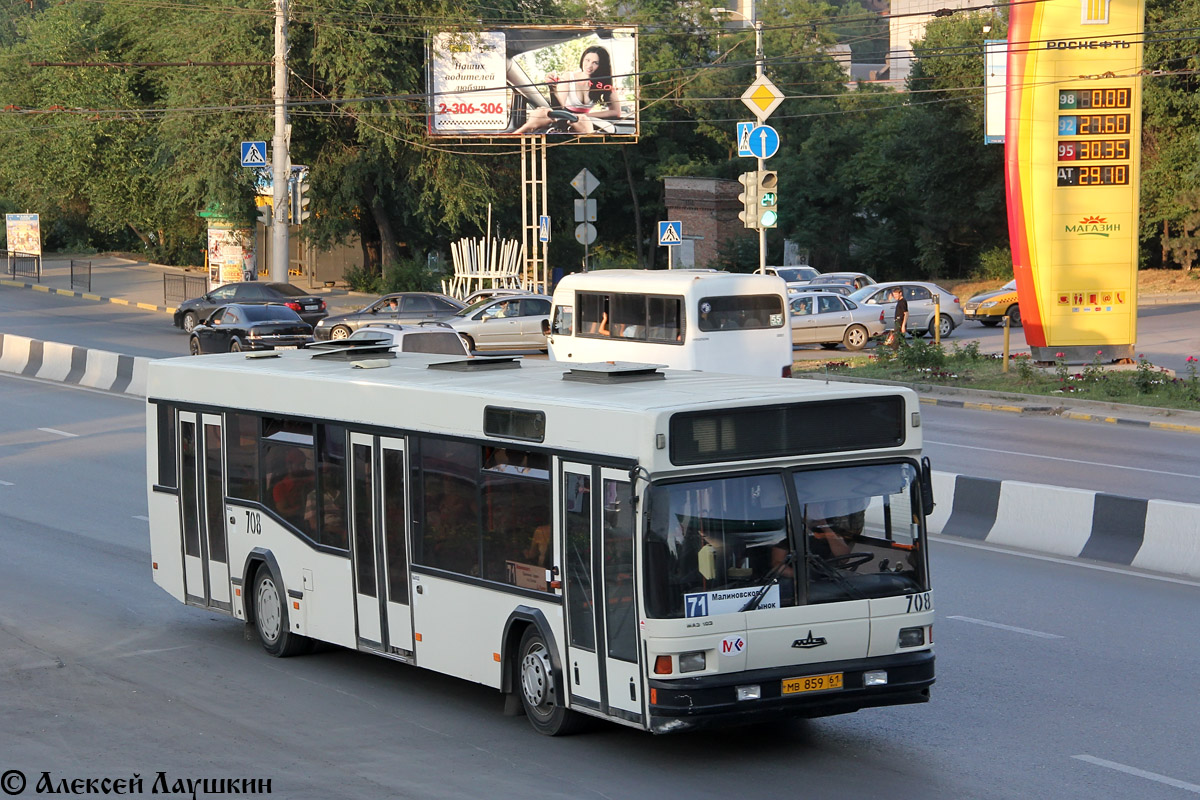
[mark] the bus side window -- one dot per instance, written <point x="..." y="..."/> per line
<point x="593" y="314"/>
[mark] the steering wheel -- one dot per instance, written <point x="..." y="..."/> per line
<point x="850" y="561"/>
<point x="559" y="114"/>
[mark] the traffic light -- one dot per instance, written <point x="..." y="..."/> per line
<point x="264" y="211"/>
<point x="301" y="200"/>
<point x="749" y="198"/>
<point x="768" y="198"/>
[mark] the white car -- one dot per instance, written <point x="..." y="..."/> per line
<point x="920" y="305"/>
<point x="435" y="338"/>
<point x="829" y="319"/>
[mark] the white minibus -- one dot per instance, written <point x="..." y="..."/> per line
<point x="684" y="319"/>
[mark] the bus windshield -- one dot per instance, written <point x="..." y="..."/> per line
<point x="728" y="544"/>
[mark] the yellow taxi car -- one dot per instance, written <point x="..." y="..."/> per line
<point x="990" y="308"/>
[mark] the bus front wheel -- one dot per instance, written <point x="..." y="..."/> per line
<point x="271" y="617"/>
<point x="540" y="695"/>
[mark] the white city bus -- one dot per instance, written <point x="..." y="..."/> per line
<point x="683" y="319"/>
<point x="663" y="549"/>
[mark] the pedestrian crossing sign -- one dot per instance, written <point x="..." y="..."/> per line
<point x="670" y="233"/>
<point x="254" y="154"/>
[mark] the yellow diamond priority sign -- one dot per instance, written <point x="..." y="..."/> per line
<point x="762" y="97"/>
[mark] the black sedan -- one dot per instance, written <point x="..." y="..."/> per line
<point x="403" y="307"/>
<point x="190" y="312"/>
<point x="250" y="327"/>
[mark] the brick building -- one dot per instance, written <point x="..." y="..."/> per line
<point x="708" y="209"/>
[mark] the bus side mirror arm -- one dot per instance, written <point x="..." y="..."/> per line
<point x="926" y="485"/>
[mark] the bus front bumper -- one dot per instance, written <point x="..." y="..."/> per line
<point x="713" y="700"/>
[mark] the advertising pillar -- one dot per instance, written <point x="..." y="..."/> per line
<point x="1072" y="164"/>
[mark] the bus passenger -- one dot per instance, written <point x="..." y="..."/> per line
<point x="290" y="493"/>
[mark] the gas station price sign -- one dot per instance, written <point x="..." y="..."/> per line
<point x="1109" y="175"/>
<point x="1093" y="98"/>
<point x="1072" y="164"/>
<point x="1094" y="150"/>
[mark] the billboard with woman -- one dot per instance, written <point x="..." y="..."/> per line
<point x="528" y="81"/>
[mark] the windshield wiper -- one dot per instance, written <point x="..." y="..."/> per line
<point x="771" y="578"/>
<point x="836" y="576"/>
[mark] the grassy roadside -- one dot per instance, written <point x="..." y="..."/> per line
<point x="964" y="367"/>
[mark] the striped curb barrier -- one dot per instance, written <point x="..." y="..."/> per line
<point x="37" y="287"/>
<point x="1157" y="535"/>
<point x="81" y="366"/>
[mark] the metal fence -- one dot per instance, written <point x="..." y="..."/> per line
<point x="177" y="288"/>
<point x="81" y="275"/>
<point x="23" y="265"/>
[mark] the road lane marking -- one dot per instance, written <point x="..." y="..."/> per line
<point x="1067" y="460"/>
<point x="6" y="483"/>
<point x="1140" y="773"/>
<point x="59" y="433"/>
<point x="153" y="651"/>
<point x="139" y="516"/>
<point x="1067" y="561"/>
<point x="1025" y="631"/>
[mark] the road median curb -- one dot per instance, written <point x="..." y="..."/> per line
<point x="1157" y="535"/>
<point x="120" y="301"/>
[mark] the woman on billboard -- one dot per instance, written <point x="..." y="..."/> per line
<point x="585" y="95"/>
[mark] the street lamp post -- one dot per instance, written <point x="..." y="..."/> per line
<point x="759" y="60"/>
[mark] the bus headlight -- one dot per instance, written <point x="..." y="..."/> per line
<point x="691" y="662"/>
<point x="912" y="637"/>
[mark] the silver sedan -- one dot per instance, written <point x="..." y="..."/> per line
<point x="508" y="322"/>
<point x="920" y="296"/>
<point x="829" y="319"/>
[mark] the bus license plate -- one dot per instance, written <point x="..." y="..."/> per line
<point x="813" y="683"/>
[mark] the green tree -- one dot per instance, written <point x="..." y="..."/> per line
<point x="1170" y="204"/>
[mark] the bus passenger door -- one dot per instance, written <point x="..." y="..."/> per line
<point x="394" y="556"/>
<point x="596" y="519"/>
<point x="202" y="504"/>
<point x="378" y="544"/>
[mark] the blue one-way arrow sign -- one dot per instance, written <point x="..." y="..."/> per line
<point x="254" y="154"/>
<point x="764" y="141"/>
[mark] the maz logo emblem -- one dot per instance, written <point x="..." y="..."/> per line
<point x="809" y="642"/>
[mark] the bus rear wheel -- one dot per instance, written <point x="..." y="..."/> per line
<point x="271" y="618"/>
<point x="539" y="693"/>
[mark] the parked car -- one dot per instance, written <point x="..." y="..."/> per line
<point x="249" y="326"/>
<point x="844" y="289"/>
<point x="399" y="307"/>
<point x="856" y="279"/>
<point x="920" y="305"/>
<point x="511" y="322"/>
<point x="829" y="319"/>
<point x="427" y="337"/>
<point x="190" y="312"/>
<point x="990" y="308"/>
<point x="801" y="274"/>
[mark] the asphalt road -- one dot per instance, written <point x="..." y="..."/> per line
<point x="1055" y="679"/>
<point x="1119" y="459"/>
<point x="86" y="323"/>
